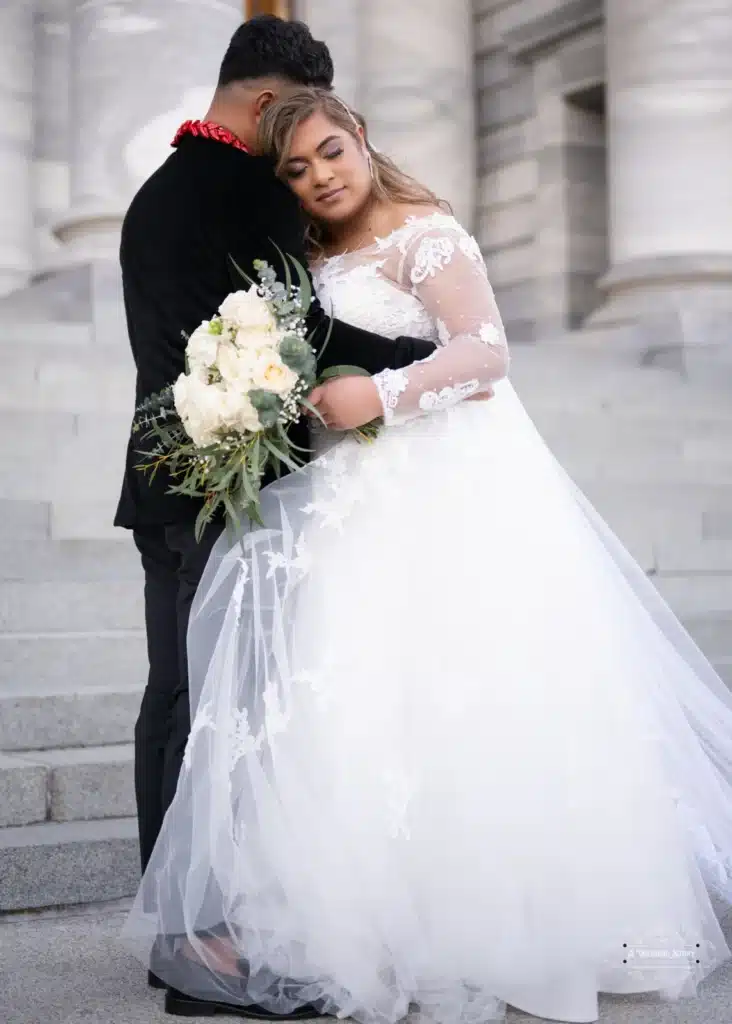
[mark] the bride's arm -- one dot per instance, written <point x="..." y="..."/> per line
<point x="442" y="266"/>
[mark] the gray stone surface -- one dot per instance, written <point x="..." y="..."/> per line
<point x="503" y="105"/>
<point x="74" y="862"/>
<point x="23" y="791"/>
<point x="113" y="154"/>
<point x="90" y="783"/>
<point x="16" y="140"/>
<point x="551" y="24"/>
<point x="416" y="90"/>
<point x="668" y="203"/>
<point x="67" y="561"/>
<point x="48" y="378"/>
<point x="24" y="520"/>
<point x="31" y="662"/>
<point x="70" y="717"/>
<point x="68" y="967"/>
<point x="63" y="606"/>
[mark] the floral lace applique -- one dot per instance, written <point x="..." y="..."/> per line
<point x="390" y="384"/>
<point x="295" y="565"/>
<point x="433" y="401"/>
<point x="432" y="254"/>
<point x="202" y="720"/>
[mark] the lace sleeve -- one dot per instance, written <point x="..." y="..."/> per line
<point x="442" y="266"/>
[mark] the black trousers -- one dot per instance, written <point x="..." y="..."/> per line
<point x="173" y="562"/>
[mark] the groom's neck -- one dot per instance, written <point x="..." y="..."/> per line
<point x="238" y="121"/>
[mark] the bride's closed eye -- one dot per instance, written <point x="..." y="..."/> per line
<point x="331" y="154"/>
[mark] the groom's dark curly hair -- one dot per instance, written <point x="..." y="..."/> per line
<point x="267" y="46"/>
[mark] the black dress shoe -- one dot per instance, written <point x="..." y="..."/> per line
<point x="154" y="981"/>
<point x="180" y="1005"/>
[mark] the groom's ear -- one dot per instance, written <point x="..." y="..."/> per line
<point x="261" y="101"/>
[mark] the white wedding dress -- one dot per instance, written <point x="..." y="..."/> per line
<point x="449" y="748"/>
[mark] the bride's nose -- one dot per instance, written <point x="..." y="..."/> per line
<point x="322" y="173"/>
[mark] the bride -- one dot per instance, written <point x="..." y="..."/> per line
<point x="449" y="747"/>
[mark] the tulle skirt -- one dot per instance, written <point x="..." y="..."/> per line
<point x="449" y="748"/>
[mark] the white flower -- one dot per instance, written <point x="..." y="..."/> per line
<point x="271" y="374"/>
<point x="248" y="312"/>
<point x="237" y="412"/>
<point x="236" y="366"/>
<point x="202" y="348"/>
<point x="199" y="407"/>
<point x="489" y="334"/>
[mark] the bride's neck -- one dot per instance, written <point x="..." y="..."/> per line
<point x="373" y="219"/>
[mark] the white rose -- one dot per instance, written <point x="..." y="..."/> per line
<point x="271" y="374"/>
<point x="237" y="412"/>
<point x="248" y="311"/>
<point x="236" y="366"/>
<point x="199" y="407"/>
<point x="202" y="348"/>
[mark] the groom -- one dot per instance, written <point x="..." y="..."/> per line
<point x="212" y="198"/>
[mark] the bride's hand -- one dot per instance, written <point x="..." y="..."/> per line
<point x="347" y="402"/>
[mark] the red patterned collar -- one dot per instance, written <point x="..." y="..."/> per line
<point x="209" y="130"/>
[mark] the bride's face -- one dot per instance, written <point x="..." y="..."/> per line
<point x="328" y="169"/>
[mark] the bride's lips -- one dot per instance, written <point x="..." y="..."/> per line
<point x="328" y="197"/>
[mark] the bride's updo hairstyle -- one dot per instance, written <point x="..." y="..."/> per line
<point x="281" y="120"/>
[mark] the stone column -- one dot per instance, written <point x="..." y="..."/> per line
<point x="417" y="92"/>
<point x="16" y="131"/>
<point x="670" y="154"/>
<point x="51" y="127"/>
<point x="338" y="22"/>
<point x="139" y="69"/>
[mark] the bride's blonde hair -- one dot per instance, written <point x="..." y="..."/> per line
<point x="281" y="120"/>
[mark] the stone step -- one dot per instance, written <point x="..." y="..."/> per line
<point x="541" y="401"/>
<point x="67" y="607"/>
<point x="66" y="715"/>
<point x="90" y="519"/>
<point x="608" y="430"/>
<point x="56" y="864"/>
<point x="723" y="667"/>
<point x="51" y="662"/>
<point x="69" y="561"/>
<point x="78" y="785"/>
<point x="24" y="788"/>
<point x="712" y="632"/>
<point x="631" y="467"/>
<point x="60" y="453"/>
<point x="677" y="499"/>
<point x="46" y="378"/>
<point x="22" y="521"/>
<point x="697" y="596"/>
<point x="19" y="334"/>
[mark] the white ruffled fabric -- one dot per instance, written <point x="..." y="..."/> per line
<point x="449" y="748"/>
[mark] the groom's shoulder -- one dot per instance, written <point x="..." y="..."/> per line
<point x="207" y="176"/>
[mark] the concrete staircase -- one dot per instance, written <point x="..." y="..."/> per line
<point x="72" y="650"/>
<point x="653" y="453"/>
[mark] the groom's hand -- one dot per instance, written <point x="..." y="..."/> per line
<point x="347" y="402"/>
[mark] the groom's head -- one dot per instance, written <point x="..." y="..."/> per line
<point x="266" y="57"/>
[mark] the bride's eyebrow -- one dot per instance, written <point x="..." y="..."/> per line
<point x="318" y="148"/>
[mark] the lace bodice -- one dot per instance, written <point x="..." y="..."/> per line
<point x="427" y="279"/>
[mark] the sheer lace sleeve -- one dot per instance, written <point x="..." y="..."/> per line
<point x="441" y="265"/>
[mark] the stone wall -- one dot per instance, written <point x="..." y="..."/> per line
<point x="541" y="159"/>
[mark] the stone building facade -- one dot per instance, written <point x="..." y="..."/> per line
<point x="587" y="142"/>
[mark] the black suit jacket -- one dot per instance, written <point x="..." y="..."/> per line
<point x="206" y="202"/>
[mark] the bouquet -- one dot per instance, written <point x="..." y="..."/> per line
<point x="224" y="421"/>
